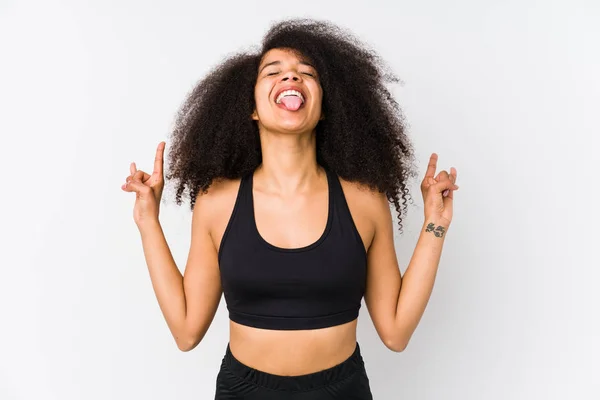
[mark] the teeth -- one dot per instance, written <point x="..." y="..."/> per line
<point x="289" y="93"/>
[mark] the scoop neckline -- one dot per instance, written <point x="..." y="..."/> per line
<point x="295" y="249"/>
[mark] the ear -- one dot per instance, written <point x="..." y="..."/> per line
<point x="322" y="117"/>
<point x="254" y="115"/>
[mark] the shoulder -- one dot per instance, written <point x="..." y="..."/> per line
<point x="369" y="208"/>
<point x="213" y="208"/>
<point x="365" y="198"/>
<point x="220" y="190"/>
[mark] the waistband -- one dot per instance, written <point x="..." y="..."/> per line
<point x="306" y="382"/>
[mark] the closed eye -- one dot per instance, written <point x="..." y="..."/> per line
<point x="305" y="73"/>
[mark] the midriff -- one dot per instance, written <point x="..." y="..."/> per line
<point x="292" y="353"/>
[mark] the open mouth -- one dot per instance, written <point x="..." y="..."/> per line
<point x="290" y="99"/>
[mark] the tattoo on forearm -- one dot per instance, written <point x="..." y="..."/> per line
<point x="438" y="231"/>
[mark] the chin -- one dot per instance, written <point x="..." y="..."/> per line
<point x="293" y="128"/>
<point x="290" y="125"/>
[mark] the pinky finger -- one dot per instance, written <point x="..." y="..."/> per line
<point x="137" y="187"/>
<point x="129" y="186"/>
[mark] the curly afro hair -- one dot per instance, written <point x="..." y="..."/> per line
<point x="362" y="139"/>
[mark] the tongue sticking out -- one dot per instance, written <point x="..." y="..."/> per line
<point x="291" y="103"/>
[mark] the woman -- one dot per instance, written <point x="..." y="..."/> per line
<point x="291" y="157"/>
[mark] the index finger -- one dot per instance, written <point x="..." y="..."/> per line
<point x="432" y="166"/>
<point x="159" y="159"/>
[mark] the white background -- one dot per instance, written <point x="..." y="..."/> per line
<point x="506" y="92"/>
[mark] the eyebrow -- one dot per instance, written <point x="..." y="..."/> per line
<point x="277" y="62"/>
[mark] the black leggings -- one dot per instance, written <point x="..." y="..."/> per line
<point x="347" y="381"/>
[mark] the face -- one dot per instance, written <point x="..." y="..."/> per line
<point x="298" y="110"/>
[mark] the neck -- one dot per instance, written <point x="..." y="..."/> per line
<point x="289" y="162"/>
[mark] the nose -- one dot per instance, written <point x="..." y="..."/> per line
<point x="291" y="75"/>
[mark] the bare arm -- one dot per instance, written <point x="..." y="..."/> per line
<point x="396" y="304"/>
<point x="188" y="302"/>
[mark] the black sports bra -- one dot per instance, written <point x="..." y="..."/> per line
<point x="316" y="286"/>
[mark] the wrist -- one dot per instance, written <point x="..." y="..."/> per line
<point x="436" y="226"/>
<point x="148" y="224"/>
<point x="437" y="220"/>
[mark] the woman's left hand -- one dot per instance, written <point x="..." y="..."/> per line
<point x="438" y="192"/>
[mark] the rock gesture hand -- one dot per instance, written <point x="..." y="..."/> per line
<point x="148" y="188"/>
<point x="438" y="193"/>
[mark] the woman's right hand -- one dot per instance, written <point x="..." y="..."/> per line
<point x="148" y="189"/>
